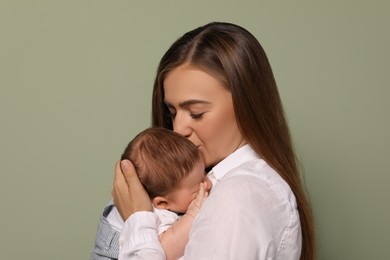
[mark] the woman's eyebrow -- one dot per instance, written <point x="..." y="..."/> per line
<point x="189" y="103"/>
<point x="192" y="102"/>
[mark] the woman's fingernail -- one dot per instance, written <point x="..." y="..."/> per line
<point x="125" y="164"/>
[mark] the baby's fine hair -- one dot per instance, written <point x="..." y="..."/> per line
<point x="162" y="158"/>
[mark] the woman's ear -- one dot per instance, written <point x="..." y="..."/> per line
<point x="160" y="202"/>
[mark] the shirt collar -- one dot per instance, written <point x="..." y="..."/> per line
<point x="238" y="157"/>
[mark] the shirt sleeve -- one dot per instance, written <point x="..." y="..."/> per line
<point x="139" y="239"/>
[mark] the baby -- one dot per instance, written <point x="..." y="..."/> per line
<point x="171" y="170"/>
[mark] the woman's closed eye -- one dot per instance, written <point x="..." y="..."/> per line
<point x="172" y="114"/>
<point x="197" y="116"/>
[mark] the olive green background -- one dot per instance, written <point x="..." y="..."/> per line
<point x="75" y="87"/>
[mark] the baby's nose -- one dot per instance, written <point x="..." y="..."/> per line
<point x="207" y="184"/>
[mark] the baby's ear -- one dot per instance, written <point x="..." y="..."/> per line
<point x="160" y="202"/>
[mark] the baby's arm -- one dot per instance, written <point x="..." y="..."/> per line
<point x="175" y="238"/>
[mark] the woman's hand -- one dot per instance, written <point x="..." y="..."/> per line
<point x="128" y="193"/>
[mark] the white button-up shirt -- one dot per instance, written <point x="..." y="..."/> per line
<point x="251" y="213"/>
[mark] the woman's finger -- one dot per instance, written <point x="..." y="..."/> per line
<point x="136" y="190"/>
<point x="131" y="177"/>
<point x="128" y="193"/>
<point x="120" y="193"/>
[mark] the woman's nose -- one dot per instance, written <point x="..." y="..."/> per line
<point x="181" y="126"/>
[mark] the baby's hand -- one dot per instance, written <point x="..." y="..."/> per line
<point x="196" y="204"/>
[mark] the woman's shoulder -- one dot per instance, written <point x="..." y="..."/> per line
<point x="253" y="197"/>
<point x="257" y="181"/>
<point x="252" y="208"/>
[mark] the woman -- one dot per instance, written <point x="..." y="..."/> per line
<point x="215" y="86"/>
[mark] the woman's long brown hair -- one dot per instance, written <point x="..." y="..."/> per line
<point x="236" y="58"/>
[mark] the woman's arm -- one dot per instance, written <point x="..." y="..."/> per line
<point x="138" y="239"/>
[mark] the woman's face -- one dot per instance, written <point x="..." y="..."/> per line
<point x="202" y="111"/>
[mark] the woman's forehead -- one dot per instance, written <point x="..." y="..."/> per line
<point x="189" y="83"/>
